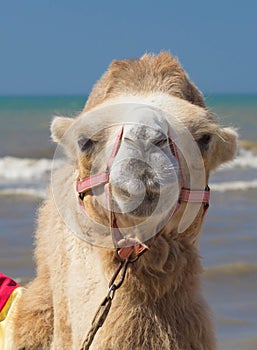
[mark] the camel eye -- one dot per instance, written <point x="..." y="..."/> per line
<point x="204" y="141"/>
<point x="86" y="145"/>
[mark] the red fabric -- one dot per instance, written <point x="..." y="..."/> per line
<point x="7" y="286"/>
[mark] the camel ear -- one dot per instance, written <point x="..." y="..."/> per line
<point x="61" y="132"/>
<point x="225" y="146"/>
<point x="59" y="127"/>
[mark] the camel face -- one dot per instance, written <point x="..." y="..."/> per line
<point x="143" y="177"/>
<point x="146" y="177"/>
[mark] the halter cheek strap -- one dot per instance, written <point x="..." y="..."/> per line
<point x="102" y="178"/>
<point x="128" y="248"/>
<point x="187" y="195"/>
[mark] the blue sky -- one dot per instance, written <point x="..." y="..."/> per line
<point x="64" y="46"/>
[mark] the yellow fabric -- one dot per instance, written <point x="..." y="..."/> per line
<point x="6" y="326"/>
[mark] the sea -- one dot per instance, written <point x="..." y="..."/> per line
<point x="228" y="243"/>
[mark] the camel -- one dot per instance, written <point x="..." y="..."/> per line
<point x="153" y="121"/>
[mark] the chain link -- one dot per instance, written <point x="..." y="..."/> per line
<point x="106" y="304"/>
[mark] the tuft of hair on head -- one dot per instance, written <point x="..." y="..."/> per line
<point x="61" y="134"/>
<point x="59" y="127"/>
<point x="225" y="147"/>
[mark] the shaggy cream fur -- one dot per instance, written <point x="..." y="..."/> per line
<point x="160" y="305"/>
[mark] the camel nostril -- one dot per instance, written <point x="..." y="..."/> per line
<point x="152" y="186"/>
<point x="151" y="195"/>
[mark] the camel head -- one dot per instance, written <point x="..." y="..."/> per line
<point x="145" y="147"/>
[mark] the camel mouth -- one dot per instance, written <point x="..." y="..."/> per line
<point x="142" y="203"/>
<point x="136" y="194"/>
<point x="150" y="190"/>
<point x="147" y="206"/>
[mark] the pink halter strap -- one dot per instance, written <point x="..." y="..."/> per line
<point x="103" y="177"/>
<point x="186" y="195"/>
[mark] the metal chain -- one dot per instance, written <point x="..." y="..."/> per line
<point x="97" y="322"/>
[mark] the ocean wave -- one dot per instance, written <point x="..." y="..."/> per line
<point x="233" y="186"/>
<point x="12" y="168"/>
<point x="30" y="192"/>
<point x="244" y="159"/>
<point x="237" y="269"/>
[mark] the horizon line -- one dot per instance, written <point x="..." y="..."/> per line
<point x="57" y="94"/>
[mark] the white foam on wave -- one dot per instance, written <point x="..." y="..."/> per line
<point x="30" y="192"/>
<point x="234" y="186"/>
<point x="244" y="159"/>
<point x="242" y="166"/>
<point x="12" y="168"/>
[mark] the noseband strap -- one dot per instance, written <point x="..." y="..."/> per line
<point x="187" y="195"/>
<point x="92" y="181"/>
<point x="103" y="178"/>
